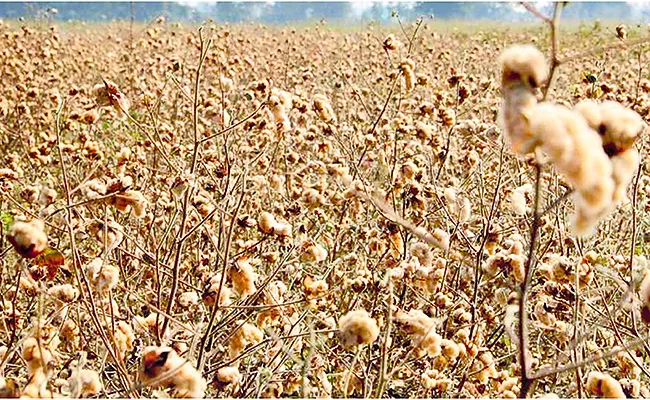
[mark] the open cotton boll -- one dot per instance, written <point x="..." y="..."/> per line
<point x="357" y="327"/>
<point x="518" y="203"/>
<point x="624" y="167"/>
<point x="577" y="153"/>
<point x="243" y="277"/>
<point x="523" y="65"/>
<point x="523" y="70"/>
<point x="28" y="238"/>
<point x="517" y="104"/>
<point x="604" y="386"/>
<point x="185" y="381"/>
<point x="109" y="94"/>
<point x="245" y="335"/>
<point x="422" y="328"/>
<point x="85" y="383"/>
<point x="323" y="108"/>
<point x="617" y="125"/>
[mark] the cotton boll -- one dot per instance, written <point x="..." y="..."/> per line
<point x="185" y="381"/>
<point x="513" y="119"/>
<point x="210" y="294"/>
<point x="617" y="125"/>
<point x="188" y="299"/>
<point x="313" y="253"/>
<point x="423" y="253"/>
<point x="391" y="43"/>
<point x="130" y="199"/>
<point x="518" y="203"/>
<point x="247" y="334"/>
<point x="109" y="94"/>
<point x="85" y="383"/>
<point x="243" y="277"/>
<point x="282" y="230"/>
<point x="357" y="327"/>
<point x="279" y="113"/>
<point x="624" y="167"/>
<point x="407" y="66"/>
<point x="103" y="276"/>
<point x="266" y="222"/>
<point x="603" y="385"/>
<point x="523" y="70"/>
<point x="441" y="238"/>
<point x="228" y="376"/>
<point x="65" y="293"/>
<point x="523" y="65"/>
<point x="422" y="328"/>
<point x="28" y="238"/>
<point x="576" y="152"/>
<point x="323" y="108"/>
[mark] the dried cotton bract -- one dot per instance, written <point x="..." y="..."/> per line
<point x="357" y="327"/>
<point x="184" y="380"/>
<point x="523" y="70"/>
<point x="109" y="94"/>
<point x="130" y="199"/>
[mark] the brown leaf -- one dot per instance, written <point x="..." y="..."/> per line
<point x="51" y="259"/>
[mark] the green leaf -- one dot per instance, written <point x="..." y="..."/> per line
<point x="7" y="220"/>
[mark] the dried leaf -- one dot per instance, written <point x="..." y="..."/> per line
<point x="51" y="259"/>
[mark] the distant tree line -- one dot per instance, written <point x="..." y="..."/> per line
<point x="280" y="12"/>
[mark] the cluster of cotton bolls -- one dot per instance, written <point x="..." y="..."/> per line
<point x="591" y="146"/>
